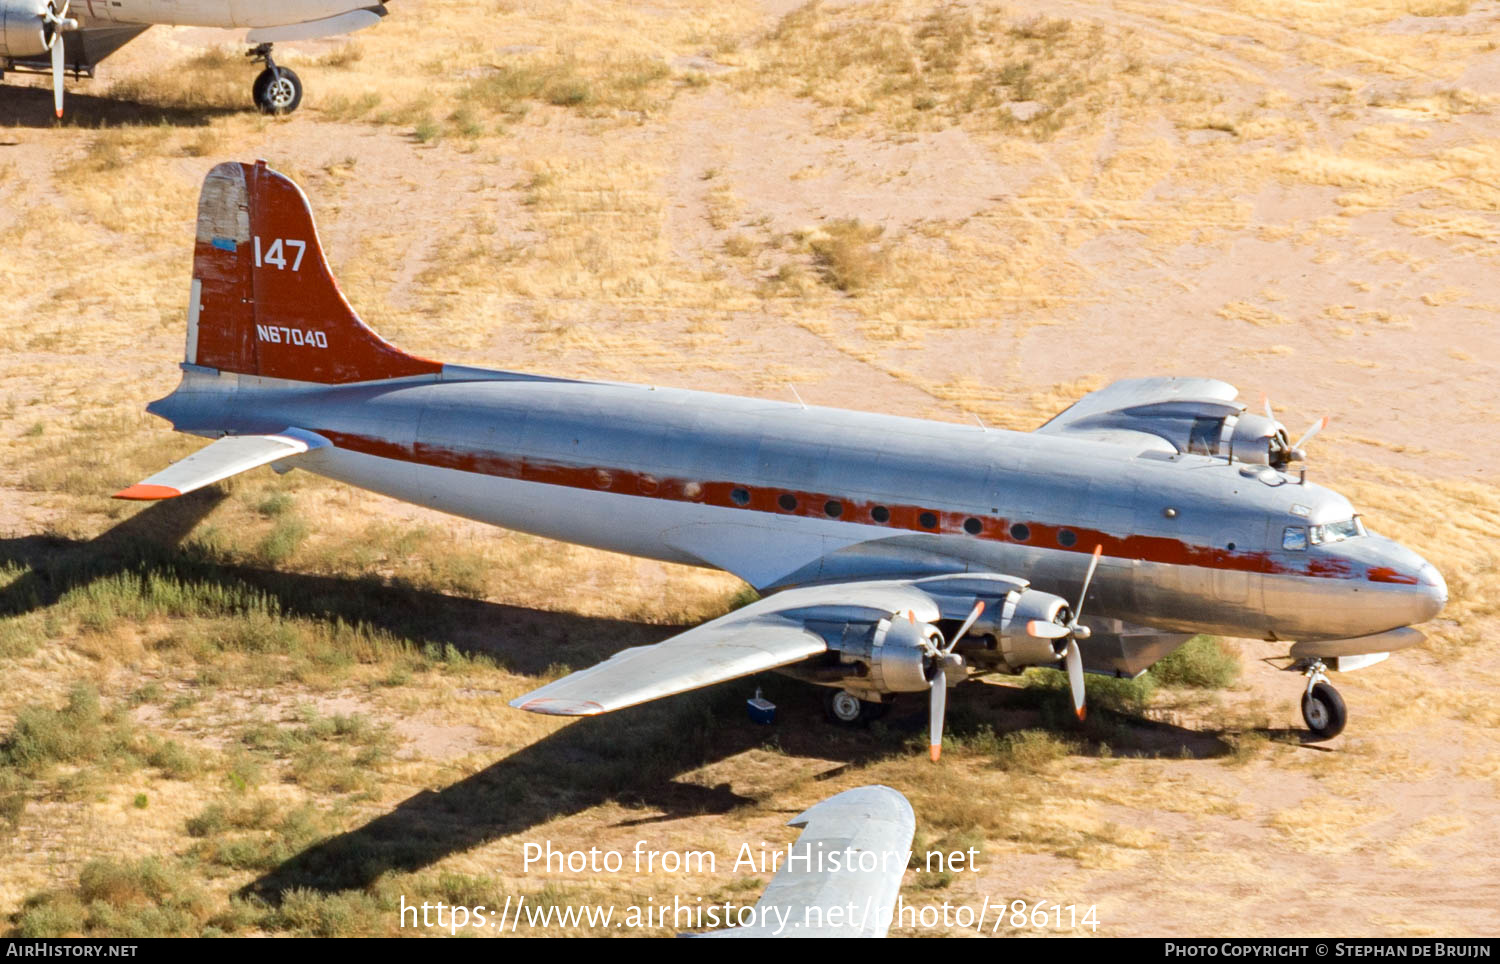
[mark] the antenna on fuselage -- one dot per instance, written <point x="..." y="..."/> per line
<point x="982" y="427"/>
<point x="797" y="397"/>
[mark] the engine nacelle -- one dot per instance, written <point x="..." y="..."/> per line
<point x="896" y="656"/>
<point x="1018" y="648"/>
<point x="23" y="33"/>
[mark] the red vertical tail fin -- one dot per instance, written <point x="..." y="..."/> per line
<point x="264" y="301"/>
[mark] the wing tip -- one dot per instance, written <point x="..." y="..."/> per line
<point x="141" y="492"/>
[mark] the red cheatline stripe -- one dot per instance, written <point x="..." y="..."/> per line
<point x="762" y="498"/>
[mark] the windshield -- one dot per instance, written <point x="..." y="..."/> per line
<point x="1337" y="531"/>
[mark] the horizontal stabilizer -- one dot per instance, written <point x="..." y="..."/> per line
<point x="228" y="456"/>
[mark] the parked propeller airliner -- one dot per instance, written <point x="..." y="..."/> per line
<point x="58" y="36"/>
<point x="894" y="555"/>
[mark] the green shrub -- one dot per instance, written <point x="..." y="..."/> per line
<point x="1203" y="662"/>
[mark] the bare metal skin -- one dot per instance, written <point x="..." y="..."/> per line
<point x="1187" y="497"/>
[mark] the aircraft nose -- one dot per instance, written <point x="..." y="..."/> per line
<point x="1433" y="590"/>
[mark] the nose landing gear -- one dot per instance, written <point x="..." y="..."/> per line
<point x="1322" y="707"/>
<point x="277" y="90"/>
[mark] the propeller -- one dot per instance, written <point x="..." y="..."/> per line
<point x="56" y="15"/>
<point x="1282" y="445"/>
<point x="944" y="657"/>
<point x="1073" y="630"/>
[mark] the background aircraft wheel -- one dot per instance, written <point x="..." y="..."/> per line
<point x="277" y="91"/>
<point x="846" y="708"/>
<point x="1323" y="710"/>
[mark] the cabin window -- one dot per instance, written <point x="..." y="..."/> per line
<point x="1020" y="532"/>
<point x="1066" y="538"/>
<point x="1294" y="538"/>
<point x="973" y="526"/>
<point x="880" y="514"/>
<point x="787" y="501"/>
<point x="834" y="508"/>
<point x="928" y="520"/>
<point x="740" y="496"/>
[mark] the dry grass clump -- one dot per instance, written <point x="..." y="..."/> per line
<point x="634" y="83"/>
<point x="847" y="255"/>
<point x="915" y="67"/>
<point x="216" y="79"/>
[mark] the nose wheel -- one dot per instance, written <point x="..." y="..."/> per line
<point x="277" y="90"/>
<point x="1322" y="707"/>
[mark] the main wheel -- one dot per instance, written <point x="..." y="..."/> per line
<point x="1323" y="710"/>
<point x="847" y="709"/>
<point x="277" y="91"/>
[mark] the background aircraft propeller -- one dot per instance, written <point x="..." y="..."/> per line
<point x="1282" y="449"/>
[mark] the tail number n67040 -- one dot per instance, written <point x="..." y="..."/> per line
<point x="276" y="253"/>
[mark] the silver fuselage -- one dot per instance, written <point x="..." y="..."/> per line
<point x="780" y="495"/>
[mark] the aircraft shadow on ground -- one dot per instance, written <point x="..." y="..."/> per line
<point x="640" y="757"/>
<point x="525" y="640"/>
<point x="32" y="107"/>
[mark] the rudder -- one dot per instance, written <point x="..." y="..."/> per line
<point x="264" y="301"/>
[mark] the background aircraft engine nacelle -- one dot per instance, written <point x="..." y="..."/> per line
<point x="23" y="33"/>
<point x="1019" y="648"/>
<point x="898" y="655"/>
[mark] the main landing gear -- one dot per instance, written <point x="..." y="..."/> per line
<point x="277" y="90"/>
<point x="845" y="708"/>
<point x="1322" y="706"/>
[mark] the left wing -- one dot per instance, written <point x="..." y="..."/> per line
<point x="884" y="624"/>
<point x="867" y="832"/>
<point x="712" y="653"/>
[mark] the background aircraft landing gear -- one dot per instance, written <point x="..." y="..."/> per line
<point x="1322" y="707"/>
<point x="845" y="708"/>
<point x="277" y="90"/>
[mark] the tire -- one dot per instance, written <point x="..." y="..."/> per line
<point x="277" y="91"/>
<point x="846" y="709"/>
<point x="1324" y="712"/>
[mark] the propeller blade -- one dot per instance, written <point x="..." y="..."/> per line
<point x="963" y="630"/>
<point x="58" y="55"/>
<point x="1075" y="678"/>
<point x="1317" y="427"/>
<point x="1042" y="629"/>
<point x="1265" y="401"/>
<point x="937" y="706"/>
<point x="1078" y="609"/>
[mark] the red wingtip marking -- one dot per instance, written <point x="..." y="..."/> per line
<point x="147" y="493"/>
<point x="935" y="751"/>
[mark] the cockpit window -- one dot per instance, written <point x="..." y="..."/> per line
<point x="1337" y="531"/>
<point x="1294" y="537"/>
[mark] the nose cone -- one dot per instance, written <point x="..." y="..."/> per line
<point x="1433" y="591"/>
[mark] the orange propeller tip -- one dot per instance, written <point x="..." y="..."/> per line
<point x="935" y="751"/>
<point x="1083" y="711"/>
